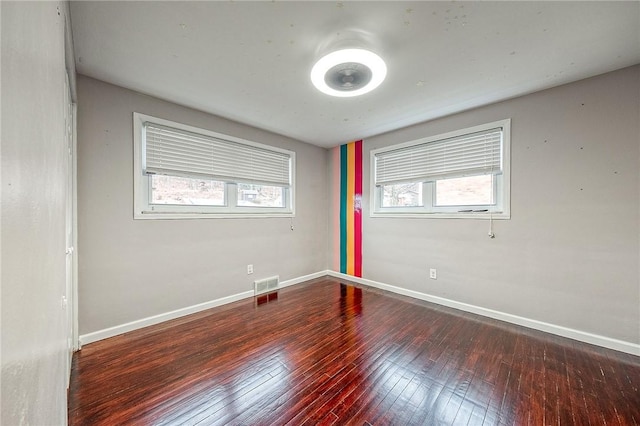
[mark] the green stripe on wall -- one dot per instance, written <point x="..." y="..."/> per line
<point x="343" y="209"/>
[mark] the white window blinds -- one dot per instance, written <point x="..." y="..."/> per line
<point x="470" y="154"/>
<point x="176" y="152"/>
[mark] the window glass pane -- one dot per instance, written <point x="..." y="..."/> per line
<point x="465" y="191"/>
<point x="402" y="195"/>
<point x="260" y="195"/>
<point x="186" y="191"/>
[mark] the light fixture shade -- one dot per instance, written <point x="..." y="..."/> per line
<point x="348" y="72"/>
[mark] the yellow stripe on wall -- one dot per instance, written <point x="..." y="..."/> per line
<point x="351" y="189"/>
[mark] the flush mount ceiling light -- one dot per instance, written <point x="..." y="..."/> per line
<point x="348" y="72"/>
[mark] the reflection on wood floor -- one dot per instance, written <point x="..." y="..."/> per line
<point x="325" y="352"/>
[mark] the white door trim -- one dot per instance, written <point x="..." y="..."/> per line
<point x="74" y="294"/>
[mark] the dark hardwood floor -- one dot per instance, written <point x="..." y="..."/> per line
<point x="324" y="352"/>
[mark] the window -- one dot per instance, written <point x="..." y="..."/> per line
<point x="402" y="195"/>
<point x="458" y="174"/>
<point x="185" y="172"/>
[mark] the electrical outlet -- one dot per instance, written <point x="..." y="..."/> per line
<point x="433" y="274"/>
<point x="249" y="269"/>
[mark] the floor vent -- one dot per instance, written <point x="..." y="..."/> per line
<point x="266" y="285"/>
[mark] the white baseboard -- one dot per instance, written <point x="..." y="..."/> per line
<point x="302" y="279"/>
<point x="157" y="319"/>
<point x="607" y="342"/>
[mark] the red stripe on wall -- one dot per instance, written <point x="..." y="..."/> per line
<point x="357" y="212"/>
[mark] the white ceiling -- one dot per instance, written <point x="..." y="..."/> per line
<point x="250" y="61"/>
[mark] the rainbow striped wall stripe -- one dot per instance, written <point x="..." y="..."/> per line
<point x="347" y="190"/>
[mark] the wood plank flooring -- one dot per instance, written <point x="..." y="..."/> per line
<point x="323" y="352"/>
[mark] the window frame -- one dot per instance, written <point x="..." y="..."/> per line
<point x="502" y="183"/>
<point x="143" y="209"/>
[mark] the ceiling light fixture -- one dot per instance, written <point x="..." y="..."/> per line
<point x="348" y="72"/>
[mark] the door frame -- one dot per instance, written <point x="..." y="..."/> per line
<point x="71" y="288"/>
<point x="70" y="299"/>
<point x="74" y="194"/>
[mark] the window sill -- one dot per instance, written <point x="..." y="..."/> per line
<point x="447" y="215"/>
<point x="225" y="215"/>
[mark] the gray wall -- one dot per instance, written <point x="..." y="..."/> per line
<point x="132" y="269"/>
<point x="34" y="164"/>
<point x="569" y="256"/>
